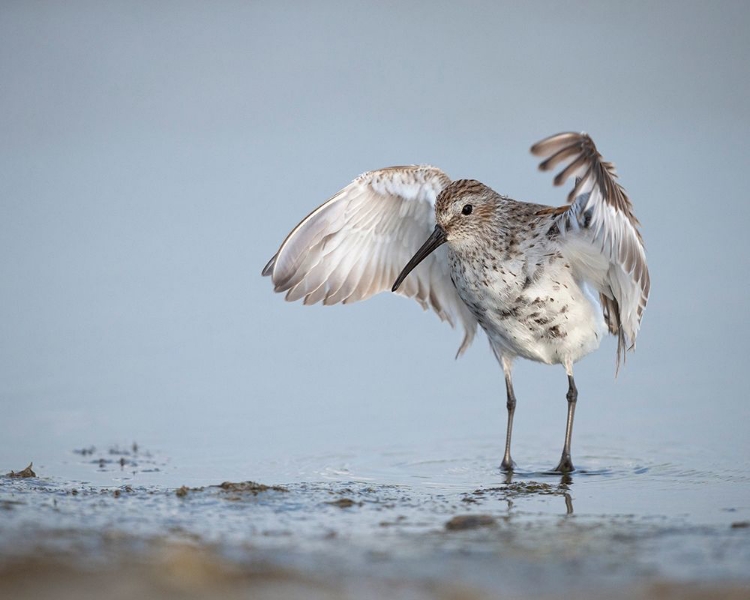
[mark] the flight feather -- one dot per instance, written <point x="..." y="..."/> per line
<point x="603" y="242"/>
<point x="355" y="244"/>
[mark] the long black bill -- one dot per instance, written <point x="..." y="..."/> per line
<point x="436" y="239"/>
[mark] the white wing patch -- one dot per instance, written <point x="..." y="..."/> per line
<point x="355" y="245"/>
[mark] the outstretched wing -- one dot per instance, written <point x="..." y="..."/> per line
<point x="602" y="241"/>
<point x="355" y="245"/>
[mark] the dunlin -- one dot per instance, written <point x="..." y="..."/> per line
<point x="544" y="283"/>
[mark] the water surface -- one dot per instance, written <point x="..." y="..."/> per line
<point x="418" y="516"/>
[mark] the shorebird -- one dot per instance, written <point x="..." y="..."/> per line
<point x="544" y="283"/>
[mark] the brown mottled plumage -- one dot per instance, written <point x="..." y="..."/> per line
<point x="544" y="283"/>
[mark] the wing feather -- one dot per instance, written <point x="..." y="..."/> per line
<point x="603" y="242"/>
<point x="353" y="246"/>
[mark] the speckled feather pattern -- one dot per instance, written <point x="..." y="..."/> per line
<point x="544" y="283"/>
<point x="510" y="271"/>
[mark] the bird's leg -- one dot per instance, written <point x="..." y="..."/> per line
<point x="508" y="464"/>
<point x="566" y="464"/>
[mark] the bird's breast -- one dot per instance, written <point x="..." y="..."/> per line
<point x="529" y="308"/>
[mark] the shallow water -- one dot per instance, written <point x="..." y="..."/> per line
<point x="398" y="516"/>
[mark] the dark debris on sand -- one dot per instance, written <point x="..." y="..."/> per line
<point x="344" y="503"/>
<point x="244" y="487"/>
<point x="27" y="472"/>
<point x="526" y="488"/>
<point x="462" y="522"/>
<point x="250" y="486"/>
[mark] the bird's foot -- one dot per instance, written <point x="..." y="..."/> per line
<point x="565" y="465"/>
<point x="508" y="465"/>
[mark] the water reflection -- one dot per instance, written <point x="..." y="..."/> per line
<point x="519" y="486"/>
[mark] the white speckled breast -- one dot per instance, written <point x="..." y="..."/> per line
<point x="529" y="304"/>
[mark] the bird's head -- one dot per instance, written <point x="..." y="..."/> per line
<point x="462" y="211"/>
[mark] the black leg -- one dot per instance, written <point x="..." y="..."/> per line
<point x="566" y="463"/>
<point x="508" y="464"/>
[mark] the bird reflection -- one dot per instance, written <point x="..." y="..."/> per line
<point x="526" y="488"/>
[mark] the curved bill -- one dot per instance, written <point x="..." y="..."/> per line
<point x="437" y="238"/>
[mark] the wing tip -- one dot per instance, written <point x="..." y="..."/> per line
<point x="545" y="145"/>
<point x="268" y="269"/>
<point x="465" y="343"/>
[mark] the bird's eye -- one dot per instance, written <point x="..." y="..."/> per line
<point x="466" y="210"/>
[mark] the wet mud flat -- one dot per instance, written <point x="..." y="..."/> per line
<point x="520" y="539"/>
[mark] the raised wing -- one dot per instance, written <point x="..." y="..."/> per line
<point x="355" y="245"/>
<point x="603" y="243"/>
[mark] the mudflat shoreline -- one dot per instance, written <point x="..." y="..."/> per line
<point x="329" y="540"/>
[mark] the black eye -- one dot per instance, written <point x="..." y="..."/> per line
<point x="466" y="210"/>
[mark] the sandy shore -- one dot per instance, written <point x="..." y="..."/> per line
<point x="167" y="571"/>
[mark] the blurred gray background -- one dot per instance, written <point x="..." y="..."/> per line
<point x="154" y="155"/>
